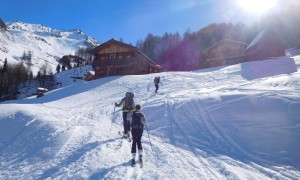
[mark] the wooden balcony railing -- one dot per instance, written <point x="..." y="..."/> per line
<point x="114" y="62"/>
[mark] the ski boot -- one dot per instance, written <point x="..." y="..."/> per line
<point x="141" y="161"/>
<point x="133" y="160"/>
<point x="141" y="157"/>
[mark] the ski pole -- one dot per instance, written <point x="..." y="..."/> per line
<point x="149" y="139"/>
<point x="112" y="118"/>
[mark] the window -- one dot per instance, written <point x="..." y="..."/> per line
<point x="112" y="56"/>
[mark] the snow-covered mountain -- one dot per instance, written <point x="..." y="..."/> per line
<point x="234" y="122"/>
<point x="44" y="43"/>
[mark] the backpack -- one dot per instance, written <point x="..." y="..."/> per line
<point x="129" y="102"/>
<point x="136" y="121"/>
<point x="156" y="80"/>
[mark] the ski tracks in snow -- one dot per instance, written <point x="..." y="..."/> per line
<point x="212" y="138"/>
<point x="92" y="145"/>
<point x="183" y="138"/>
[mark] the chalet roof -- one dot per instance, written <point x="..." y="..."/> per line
<point x="96" y="49"/>
<point x="222" y="42"/>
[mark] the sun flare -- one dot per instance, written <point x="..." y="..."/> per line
<point x="257" y="6"/>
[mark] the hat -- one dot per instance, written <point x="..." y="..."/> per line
<point x="138" y="107"/>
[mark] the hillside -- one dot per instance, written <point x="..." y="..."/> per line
<point x="231" y="122"/>
<point x="46" y="45"/>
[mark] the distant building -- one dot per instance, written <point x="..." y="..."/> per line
<point x="225" y="52"/>
<point x="89" y="75"/>
<point x="266" y="44"/>
<point x="117" y="58"/>
<point x="41" y="91"/>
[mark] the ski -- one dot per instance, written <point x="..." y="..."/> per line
<point x="122" y="134"/>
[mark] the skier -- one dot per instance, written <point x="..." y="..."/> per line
<point x="137" y="127"/>
<point x="156" y="83"/>
<point x="128" y="106"/>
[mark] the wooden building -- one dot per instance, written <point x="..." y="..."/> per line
<point x="266" y="44"/>
<point x="117" y="58"/>
<point x="89" y="75"/>
<point x="225" y="52"/>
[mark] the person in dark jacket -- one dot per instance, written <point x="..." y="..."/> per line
<point x="128" y="106"/>
<point x="156" y="83"/>
<point x="137" y="127"/>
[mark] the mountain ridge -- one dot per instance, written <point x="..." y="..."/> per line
<point x="44" y="43"/>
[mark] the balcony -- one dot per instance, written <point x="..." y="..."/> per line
<point x="114" y="62"/>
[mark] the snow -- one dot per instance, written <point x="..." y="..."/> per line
<point x="46" y="44"/>
<point x="292" y="52"/>
<point x="268" y="67"/>
<point x="92" y="72"/>
<point x="42" y="89"/>
<point x="208" y="124"/>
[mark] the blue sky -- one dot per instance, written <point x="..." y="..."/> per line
<point x="130" y="20"/>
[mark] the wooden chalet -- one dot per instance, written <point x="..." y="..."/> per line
<point x="266" y="44"/>
<point x="225" y="52"/>
<point x="117" y="58"/>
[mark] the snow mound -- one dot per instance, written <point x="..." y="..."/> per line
<point x="269" y="67"/>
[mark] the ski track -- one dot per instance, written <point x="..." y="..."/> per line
<point x="89" y="147"/>
<point x="170" y="110"/>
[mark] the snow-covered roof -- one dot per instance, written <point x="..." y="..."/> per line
<point x="42" y="89"/>
<point x="224" y="41"/>
<point x="256" y="39"/>
<point x="92" y="72"/>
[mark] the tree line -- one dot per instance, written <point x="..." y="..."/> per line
<point x="185" y="52"/>
<point x="82" y="57"/>
<point x="11" y="77"/>
<point x="14" y="77"/>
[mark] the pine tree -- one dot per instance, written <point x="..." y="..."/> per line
<point x="58" y="68"/>
<point x="5" y="66"/>
<point x="3" y="26"/>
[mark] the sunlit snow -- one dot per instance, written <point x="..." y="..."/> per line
<point x="231" y="122"/>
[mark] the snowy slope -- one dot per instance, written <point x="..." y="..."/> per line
<point x="208" y="124"/>
<point x="46" y="44"/>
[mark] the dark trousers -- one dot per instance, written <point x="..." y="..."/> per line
<point x="137" y="134"/>
<point x="156" y="88"/>
<point x="126" y="124"/>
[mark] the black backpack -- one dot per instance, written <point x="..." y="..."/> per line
<point x="136" y="121"/>
<point x="129" y="102"/>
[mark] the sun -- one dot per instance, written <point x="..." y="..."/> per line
<point x="257" y="7"/>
